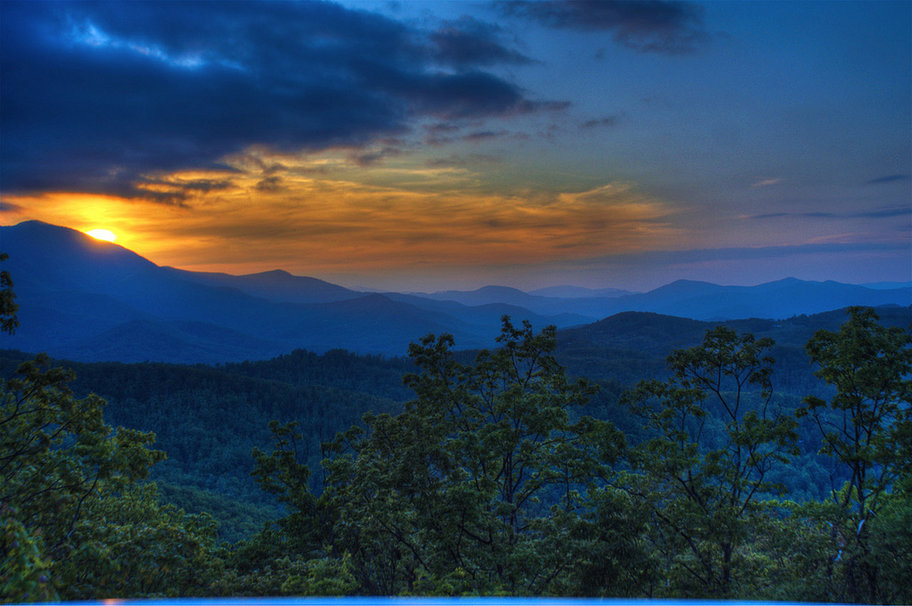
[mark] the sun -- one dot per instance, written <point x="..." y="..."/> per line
<point x="102" y="234"/>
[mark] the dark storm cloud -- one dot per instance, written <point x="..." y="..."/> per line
<point x="657" y="26"/>
<point x="97" y="95"/>
<point x="469" y="42"/>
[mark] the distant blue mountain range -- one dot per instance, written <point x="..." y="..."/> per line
<point x="89" y="300"/>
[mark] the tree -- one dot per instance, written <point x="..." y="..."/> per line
<point x="77" y="523"/>
<point x="289" y="556"/>
<point x="867" y="428"/>
<point x="479" y="486"/>
<point x="25" y="574"/>
<point x="703" y="471"/>
<point x="129" y="544"/>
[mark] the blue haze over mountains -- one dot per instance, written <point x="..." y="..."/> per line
<point x="84" y="299"/>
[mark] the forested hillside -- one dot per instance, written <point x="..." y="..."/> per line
<point x="644" y="455"/>
<point x="208" y="419"/>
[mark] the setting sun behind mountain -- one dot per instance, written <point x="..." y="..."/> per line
<point x="102" y="234"/>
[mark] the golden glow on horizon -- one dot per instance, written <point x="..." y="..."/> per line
<point x="102" y="234"/>
<point x="296" y="214"/>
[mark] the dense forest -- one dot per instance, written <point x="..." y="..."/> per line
<point x="730" y="466"/>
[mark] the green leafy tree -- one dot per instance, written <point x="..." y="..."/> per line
<point x="284" y="473"/>
<point x="790" y="552"/>
<point x="56" y="451"/>
<point x="482" y="485"/>
<point x="704" y="469"/>
<point x="25" y="574"/>
<point x="129" y="544"/>
<point x="288" y="557"/>
<point x="76" y="524"/>
<point x="867" y="428"/>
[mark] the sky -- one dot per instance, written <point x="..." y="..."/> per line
<point x="432" y="144"/>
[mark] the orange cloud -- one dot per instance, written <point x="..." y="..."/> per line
<point x="315" y="217"/>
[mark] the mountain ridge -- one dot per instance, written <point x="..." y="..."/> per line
<point x="81" y="297"/>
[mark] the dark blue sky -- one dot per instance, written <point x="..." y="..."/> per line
<point x="437" y="144"/>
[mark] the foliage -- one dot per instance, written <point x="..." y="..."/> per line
<point x="237" y="519"/>
<point x="57" y="449"/>
<point x="475" y="488"/>
<point x="286" y="576"/>
<point x="74" y="519"/>
<point x="284" y="474"/>
<point x="208" y="419"/>
<point x="497" y="464"/>
<point x="490" y="481"/>
<point x="24" y="572"/>
<point x="377" y="375"/>
<point x="704" y="470"/>
<point x="790" y="552"/>
<point x="182" y="403"/>
<point x="131" y="545"/>
<point x="866" y="427"/>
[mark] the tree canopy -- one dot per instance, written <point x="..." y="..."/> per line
<point x="490" y="480"/>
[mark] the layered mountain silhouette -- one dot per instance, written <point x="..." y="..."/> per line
<point x="84" y="299"/>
